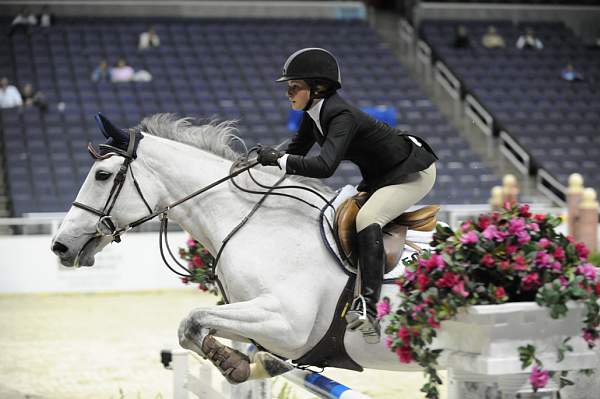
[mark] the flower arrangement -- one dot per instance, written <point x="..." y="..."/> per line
<point x="199" y="262"/>
<point x="510" y="255"/>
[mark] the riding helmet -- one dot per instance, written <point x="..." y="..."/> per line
<point x="312" y="63"/>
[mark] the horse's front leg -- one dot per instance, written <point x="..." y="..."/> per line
<point x="260" y="319"/>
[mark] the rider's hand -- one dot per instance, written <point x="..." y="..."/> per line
<point x="268" y="156"/>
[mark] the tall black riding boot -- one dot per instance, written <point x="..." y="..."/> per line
<point x="371" y="262"/>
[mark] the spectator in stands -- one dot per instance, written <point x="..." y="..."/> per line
<point x="9" y="95"/>
<point x="570" y="74"/>
<point x="492" y="39"/>
<point x="148" y="39"/>
<point x="102" y="72"/>
<point x="23" y="21"/>
<point x="461" y="37"/>
<point x="122" y="72"/>
<point x="529" y="41"/>
<point x="33" y="98"/>
<point x="398" y="168"/>
<point x="46" y="18"/>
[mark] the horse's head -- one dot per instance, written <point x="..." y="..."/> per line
<point x="107" y="201"/>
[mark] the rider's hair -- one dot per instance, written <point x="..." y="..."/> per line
<point x="322" y="88"/>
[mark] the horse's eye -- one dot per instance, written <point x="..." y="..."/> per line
<point x="102" y="175"/>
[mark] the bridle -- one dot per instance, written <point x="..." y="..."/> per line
<point x="106" y="227"/>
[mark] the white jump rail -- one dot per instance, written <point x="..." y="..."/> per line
<point x="202" y="385"/>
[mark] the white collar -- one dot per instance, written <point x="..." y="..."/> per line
<point x="315" y="112"/>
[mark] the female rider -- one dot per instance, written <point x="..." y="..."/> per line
<point x="397" y="169"/>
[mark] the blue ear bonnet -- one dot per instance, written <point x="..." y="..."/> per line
<point x="117" y="139"/>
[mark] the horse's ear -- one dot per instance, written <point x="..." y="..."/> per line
<point x="109" y="130"/>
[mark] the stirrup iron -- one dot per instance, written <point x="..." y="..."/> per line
<point x="357" y="315"/>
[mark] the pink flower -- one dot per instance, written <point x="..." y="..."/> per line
<point x="587" y="270"/>
<point x="538" y="377"/>
<point x="404" y="354"/>
<point x="469" y="238"/>
<point x="511" y="249"/>
<point x="435" y="261"/>
<point x="556" y="266"/>
<point x="404" y="335"/>
<point x="542" y="259"/>
<point x="543" y="243"/>
<point x="197" y="261"/>
<point x="500" y="293"/>
<point x="523" y="237"/>
<point x="520" y="263"/>
<point x="559" y="253"/>
<point x="582" y="250"/>
<point x="533" y="227"/>
<point x="466" y="226"/>
<point x="410" y="276"/>
<point x="448" y="280"/>
<point x="488" y="260"/>
<point x="383" y="308"/>
<point x="459" y="289"/>
<point x="524" y="211"/>
<point x="388" y="341"/>
<point x="516" y="226"/>
<point x="530" y="281"/>
<point x="492" y="233"/>
<point x="539" y="217"/>
<point x="422" y="282"/>
<point x="484" y="222"/>
<point x="191" y="242"/>
<point x="588" y="336"/>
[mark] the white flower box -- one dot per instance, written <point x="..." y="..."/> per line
<point x="484" y="339"/>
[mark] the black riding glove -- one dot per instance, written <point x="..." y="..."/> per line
<point x="268" y="156"/>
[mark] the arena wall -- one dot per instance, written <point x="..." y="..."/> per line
<point x="29" y="266"/>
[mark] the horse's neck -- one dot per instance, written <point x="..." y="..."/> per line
<point x="181" y="170"/>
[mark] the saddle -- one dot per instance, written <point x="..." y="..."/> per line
<point x="394" y="233"/>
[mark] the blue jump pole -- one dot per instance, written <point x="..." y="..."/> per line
<point x="322" y="386"/>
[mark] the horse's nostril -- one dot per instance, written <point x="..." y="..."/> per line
<point x="59" y="248"/>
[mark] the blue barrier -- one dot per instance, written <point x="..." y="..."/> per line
<point x="322" y="386"/>
<point x="382" y="113"/>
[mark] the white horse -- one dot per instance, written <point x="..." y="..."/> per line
<point x="282" y="283"/>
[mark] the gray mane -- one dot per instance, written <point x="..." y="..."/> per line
<point x="214" y="137"/>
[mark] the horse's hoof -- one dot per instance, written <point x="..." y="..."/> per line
<point x="233" y="364"/>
